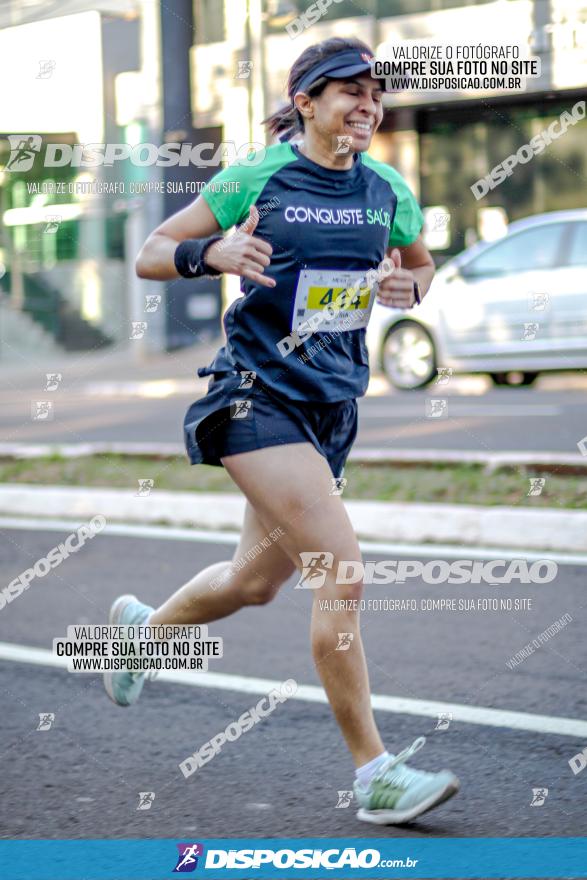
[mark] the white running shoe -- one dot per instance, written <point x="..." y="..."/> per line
<point x="397" y="793"/>
<point x="124" y="688"/>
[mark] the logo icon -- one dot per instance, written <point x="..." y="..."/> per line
<point x="247" y="378"/>
<point x="244" y="69"/>
<point x="344" y="143"/>
<point x="536" y="485"/>
<point x="530" y="331"/>
<point x="240" y="409"/>
<point x="52" y="223"/>
<point x="23" y="149"/>
<point x="441" y="220"/>
<point x="436" y="408"/>
<point x="344" y="641"/>
<point x="314" y="568"/>
<point x="344" y="800"/>
<point x="46" y="719"/>
<point x="539" y="301"/>
<point x="145" y="487"/>
<point x="367" y="58"/>
<point x="152" y="301"/>
<point x="146" y="799"/>
<point x="53" y="381"/>
<point x="188" y="857"/>
<point x="539" y="795"/>
<point x="338" y="485"/>
<point x="137" y="329"/>
<point x="42" y="410"/>
<point x="46" y="68"/>
<point x="444" y="374"/>
<point x="444" y="719"/>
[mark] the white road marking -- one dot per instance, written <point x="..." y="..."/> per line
<point x="457" y="410"/>
<point x="310" y="694"/>
<point x="201" y="536"/>
<point x="152" y="388"/>
<point x="460" y="384"/>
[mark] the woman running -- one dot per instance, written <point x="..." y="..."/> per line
<point x="320" y="222"/>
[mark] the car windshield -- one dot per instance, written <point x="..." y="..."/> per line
<point x="531" y="249"/>
<point x="578" y="253"/>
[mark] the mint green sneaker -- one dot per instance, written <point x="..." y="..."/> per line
<point x="396" y="793"/>
<point x="124" y="688"/>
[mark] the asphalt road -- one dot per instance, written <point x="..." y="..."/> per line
<point x="477" y="417"/>
<point x="82" y="778"/>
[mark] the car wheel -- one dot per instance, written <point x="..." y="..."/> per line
<point x="514" y="377"/>
<point x="408" y="356"/>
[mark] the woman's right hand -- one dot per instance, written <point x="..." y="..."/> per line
<point x="242" y="253"/>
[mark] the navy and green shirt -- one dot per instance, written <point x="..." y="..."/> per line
<point x="314" y="218"/>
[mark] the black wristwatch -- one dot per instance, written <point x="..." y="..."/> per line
<point x="417" y="293"/>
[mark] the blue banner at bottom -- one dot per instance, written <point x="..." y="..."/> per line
<point x="315" y="857"/>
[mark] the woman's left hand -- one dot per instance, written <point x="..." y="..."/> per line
<point x="397" y="289"/>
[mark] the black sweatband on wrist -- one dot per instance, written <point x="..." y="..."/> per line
<point x="189" y="257"/>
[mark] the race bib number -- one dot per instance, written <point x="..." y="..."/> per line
<point x="327" y="300"/>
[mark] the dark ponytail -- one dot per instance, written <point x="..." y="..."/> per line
<point x="288" y="120"/>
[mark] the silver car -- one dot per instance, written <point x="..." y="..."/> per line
<point x="512" y="308"/>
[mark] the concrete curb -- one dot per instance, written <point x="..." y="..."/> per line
<point x="466" y="525"/>
<point x="80" y="450"/>
<point x="538" y="462"/>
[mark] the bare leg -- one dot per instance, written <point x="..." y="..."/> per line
<point x="296" y="498"/>
<point x="221" y="589"/>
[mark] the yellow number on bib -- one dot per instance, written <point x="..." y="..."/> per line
<point x="320" y="297"/>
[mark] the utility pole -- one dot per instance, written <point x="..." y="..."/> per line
<point x="143" y="218"/>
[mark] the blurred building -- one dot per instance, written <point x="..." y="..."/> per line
<point x="441" y="144"/>
<point x="67" y="273"/>
<point x="87" y="74"/>
<point x="195" y="71"/>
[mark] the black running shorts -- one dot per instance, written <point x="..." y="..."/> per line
<point x="232" y="419"/>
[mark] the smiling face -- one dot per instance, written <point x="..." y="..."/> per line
<point x="352" y="108"/>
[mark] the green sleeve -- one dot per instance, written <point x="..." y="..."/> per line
<point x="233" y="190"/>
<point x="408" y="220"/>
